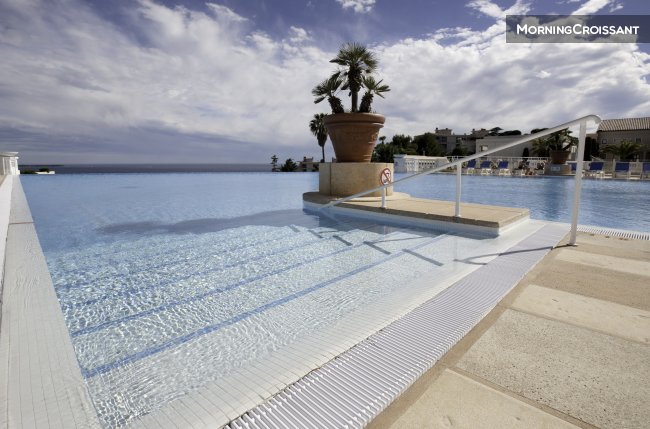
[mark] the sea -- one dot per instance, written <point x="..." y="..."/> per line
<point x="149" y="168"/>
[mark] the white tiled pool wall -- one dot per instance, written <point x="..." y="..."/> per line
<point x="5" y="208"/>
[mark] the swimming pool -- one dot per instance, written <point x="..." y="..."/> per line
<point x="169" y="282"/>
<point x="607" y="203"/>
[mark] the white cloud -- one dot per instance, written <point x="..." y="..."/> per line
<point x="298" y="35"/>
<point x="592" y="6"/>
<point x="226" y="13"/>
<point x="198" y="74"/>
<point x="464" y="79"/>
<point x="199" y="86"/>
<point x="615" y="6"/>
<point x="493" y="10"/>
<point x="359" y="6"/>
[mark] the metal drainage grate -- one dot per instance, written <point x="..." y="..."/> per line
<point x="614" y="232"/>
<point x="351" y="390"/>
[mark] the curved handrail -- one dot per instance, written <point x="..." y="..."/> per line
<point x="458" y="162"/>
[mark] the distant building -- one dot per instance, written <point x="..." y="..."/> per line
<point x="637" y="130"/>
<point x="449" y="141"/>
<point x="492" y="142"/>
<point x="308" y="164"/>
<point x="9" y="164"/>
<point x="417" y="163"/>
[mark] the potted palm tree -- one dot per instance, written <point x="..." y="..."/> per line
<point x="354" y="133"/>
<point x="556" y="146"/>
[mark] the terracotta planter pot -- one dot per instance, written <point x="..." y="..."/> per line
<point x="559" y="156"/>
<point x="354" y="135"/>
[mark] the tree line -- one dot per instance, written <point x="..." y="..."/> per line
<point x="427" y="145"/>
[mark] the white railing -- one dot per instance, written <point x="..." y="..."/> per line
<point x="582" y="122"/>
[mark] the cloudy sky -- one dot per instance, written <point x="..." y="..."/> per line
<point x="229" y="81"/>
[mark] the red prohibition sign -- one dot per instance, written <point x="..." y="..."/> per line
<point x="385" y="176"/>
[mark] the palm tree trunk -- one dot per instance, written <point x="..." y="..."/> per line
<point x="323" y="148"/>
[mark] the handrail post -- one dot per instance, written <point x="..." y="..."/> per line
<point x="383" y="198"/>
<point x="578" y="183"/>
<point x="458" y="177"/>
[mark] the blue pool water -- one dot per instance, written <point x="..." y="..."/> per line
<point x="608" y="203"/>
<point x="169" y="282"/>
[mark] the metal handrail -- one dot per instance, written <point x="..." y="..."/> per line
<point x="458" y="164"/>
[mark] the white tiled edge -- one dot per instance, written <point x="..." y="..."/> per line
<point x="41" y="379"/>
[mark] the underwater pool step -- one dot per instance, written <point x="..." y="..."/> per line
<point x="196" y="284"/>
<point x="191" y="313"/>
<point x="153" y="272"/>
<point x="426" y="213"/>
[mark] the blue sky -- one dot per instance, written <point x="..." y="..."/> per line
<point x="145" y="81"/>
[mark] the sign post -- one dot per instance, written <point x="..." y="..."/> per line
<point x="385" y="178"/>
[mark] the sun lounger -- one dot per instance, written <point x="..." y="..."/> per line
<point x="470" y="167"/>
<point x="645" y="171"/>
<point x="503" y="169"/>
<point x="574" y="167"/>
<point x="595" y="170"/>
<point x="485" y="168"/>
<point x="520" y="172"/>
<point x="622" y="169"/>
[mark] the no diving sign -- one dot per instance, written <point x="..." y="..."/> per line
<point x="386" y="176"/>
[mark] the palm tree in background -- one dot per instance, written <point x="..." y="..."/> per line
<point x="625" y="150"/>
<point x="356" y="60"/>
<point x="317" y="128"/>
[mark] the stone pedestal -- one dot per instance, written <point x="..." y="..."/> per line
<point x="343" y="179"/>
<point x="558" y="170"/>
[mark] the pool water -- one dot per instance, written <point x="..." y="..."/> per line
<point x="169" y="282"/>
<point x="620" y="204"/>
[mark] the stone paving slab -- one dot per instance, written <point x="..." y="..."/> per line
<point x="597" y="378"/>
<point x="456" y="401"/>
<point x="570" y="340"/>
<point x="607" y="317"/>
<point x="615" y="263"/>
<point x="595" y="282"/>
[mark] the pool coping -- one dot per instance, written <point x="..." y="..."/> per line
<point x="44" y="385"/>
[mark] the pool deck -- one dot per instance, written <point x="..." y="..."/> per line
<point x="568" y="347"/>
<point x="492" y="220"/>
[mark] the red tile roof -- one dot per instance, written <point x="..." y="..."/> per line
<point x="626" y="124"/>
